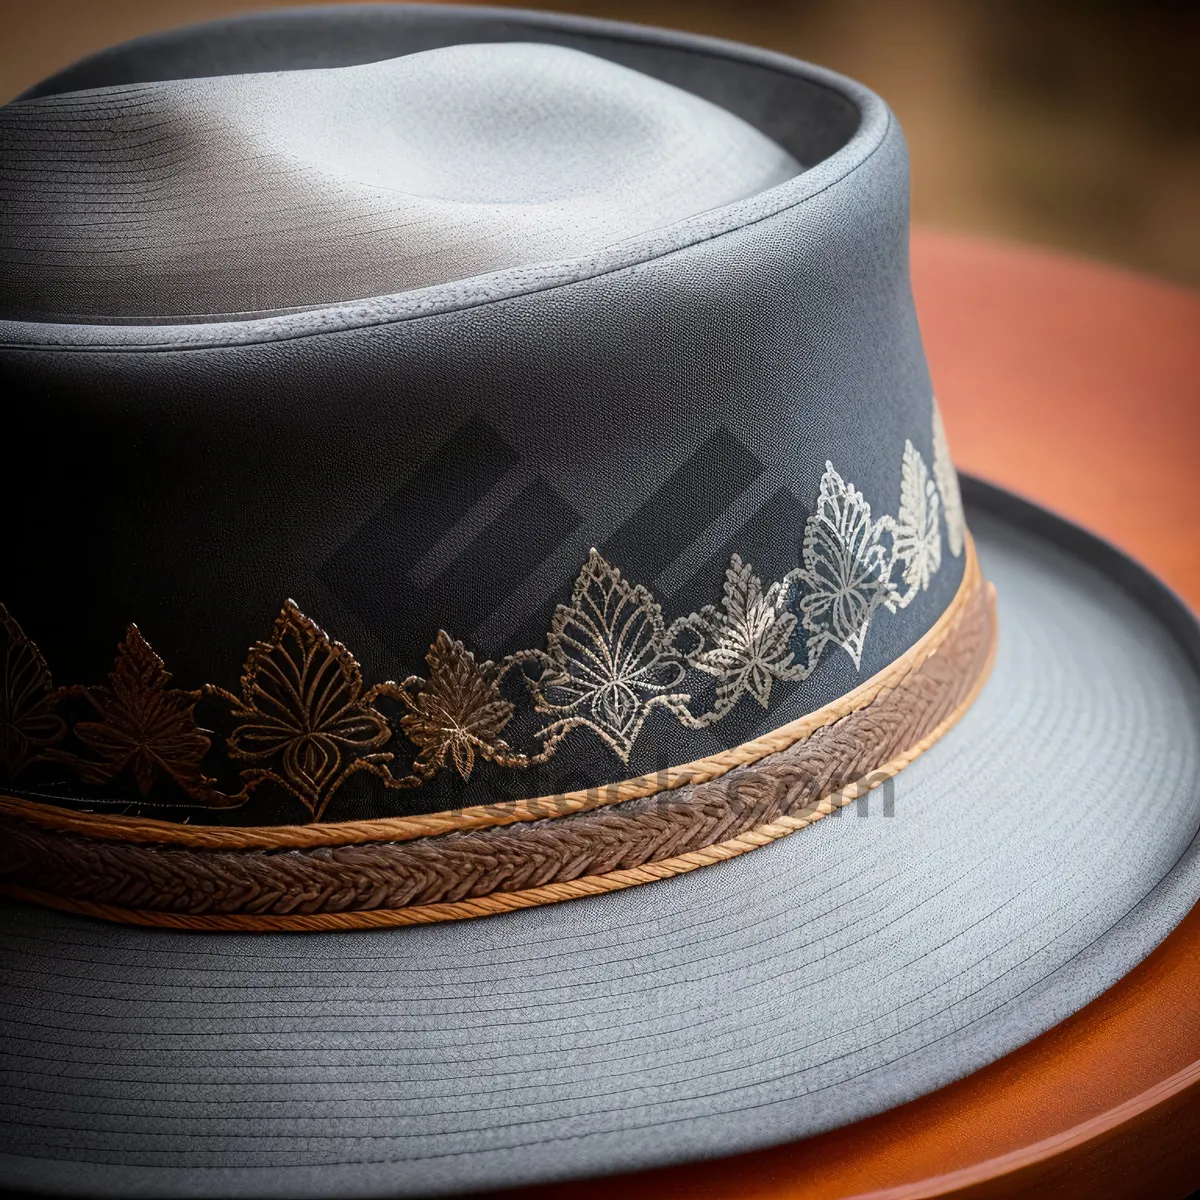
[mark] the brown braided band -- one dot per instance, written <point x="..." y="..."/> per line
<point x="496" y="858"/>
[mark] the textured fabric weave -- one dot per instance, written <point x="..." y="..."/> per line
<point x="447" y="457"/>
<point x="298" y="188"/>
<point x="1031" y="859"/>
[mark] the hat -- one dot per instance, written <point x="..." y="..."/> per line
<point x="498" y="680"/>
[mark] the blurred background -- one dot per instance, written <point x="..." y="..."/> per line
<point x="1068" y="123"/>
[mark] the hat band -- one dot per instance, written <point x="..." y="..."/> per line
<point x="516" y="854"/>
<point x="304" y="733"/>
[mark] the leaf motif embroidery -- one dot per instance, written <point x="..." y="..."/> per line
<point x="29" y="724"/>
<point x="458" y="711"/>
<point x="305" y="722"/>
<point x="916" y="535"/>
<point x="744" y="643"/>
<point x="303" y="714"/>
<point x="947" y="483"/>
<point x="144" y="725"/>
<point x="611" y="662"/>
<point x="846" y="572"/>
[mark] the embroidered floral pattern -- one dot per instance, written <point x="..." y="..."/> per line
<point x="916" y="534"/>
<point x="947" y="483"/>
<point x="305" y="723"/>
<point x="610" y="661"/>
<point x="303" y="718"/>
<point x="143" y="726"/>
<point x="847" y="571"/>
<point x="457" y="713"/>
<point x="29" y="724"/>
<point x="745" y="643"/>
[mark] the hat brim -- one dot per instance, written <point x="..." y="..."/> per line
<point x="1024" y="864"/>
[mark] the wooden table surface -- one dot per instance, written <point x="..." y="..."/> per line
<point x="1078" y="386"/>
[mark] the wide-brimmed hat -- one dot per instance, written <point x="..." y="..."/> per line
<point x="499" y="679"/>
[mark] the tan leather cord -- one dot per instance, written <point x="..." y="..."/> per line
<point x="501" y="902"/>
<point x="397" y="829"/>
<point x="470" y="872"/>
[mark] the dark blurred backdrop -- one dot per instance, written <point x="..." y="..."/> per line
<point x="1069" y="123"/>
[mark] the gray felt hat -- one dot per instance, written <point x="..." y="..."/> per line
<point x="499" y="679"/>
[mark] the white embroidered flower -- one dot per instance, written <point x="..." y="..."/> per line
<point x="744" y="643"/>
<point x="846" y="571"/>
<point x="612" y="662"/>
<point x="916" y="536"/>
<point x="947" y="483"/>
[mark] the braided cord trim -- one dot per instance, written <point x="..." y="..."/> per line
<point x="397" y="829"/>
<point x="721" y="811"/>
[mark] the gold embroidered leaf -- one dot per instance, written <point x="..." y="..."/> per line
<point x="302" y="713"/>
<point x="612" y="661"/>
<point x="29" y="724"/>
<point x="304" y="721"/>
<point x="143" y="725"/>
<point x="458" y="711"/>
<point x="744" y="643"/>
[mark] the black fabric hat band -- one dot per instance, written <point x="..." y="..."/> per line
<point x="305" y="723"/>
<point x="473" y="862"/>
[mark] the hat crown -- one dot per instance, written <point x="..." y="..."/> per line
<point x="551" y="528"/>
<point x="271" y="191"/>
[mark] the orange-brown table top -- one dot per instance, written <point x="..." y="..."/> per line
<point x="1079" y="387"/>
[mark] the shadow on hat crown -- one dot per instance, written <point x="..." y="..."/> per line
<point x="292" y="189"/>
